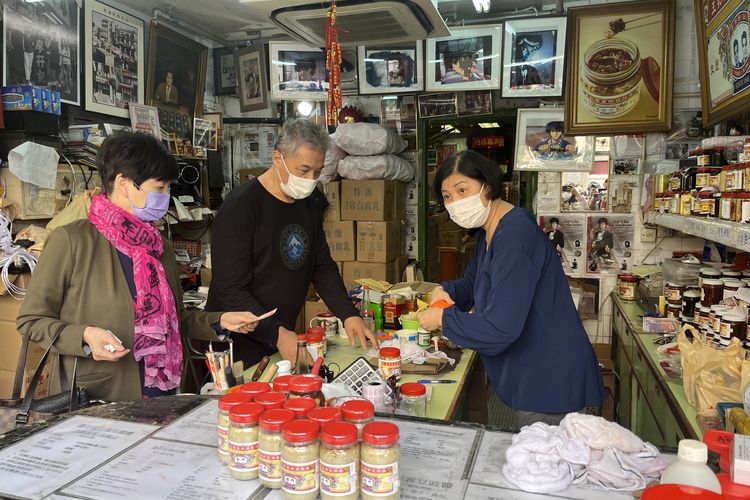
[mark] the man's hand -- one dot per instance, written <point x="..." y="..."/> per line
<point x="104" y="345"/>
<point x="356" y="329"/>
<point x="287" y="346"/>
<point x="240" y="322"/>
<point x="431" y="319"/>
<point x="440" y="294"/>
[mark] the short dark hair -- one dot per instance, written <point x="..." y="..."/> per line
<point x="602" y="219"/>
<point x="135" y="155"/>
<point x="554" y="220"/>
<point x="473" y="165"/>
<point x="557" y="125"/>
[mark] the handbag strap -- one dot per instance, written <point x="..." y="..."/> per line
<point x="20" y="367"/>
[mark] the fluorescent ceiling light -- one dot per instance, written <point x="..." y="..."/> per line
<point x="489" y="125"/>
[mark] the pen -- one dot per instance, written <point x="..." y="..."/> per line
<point x="436" y="381"/>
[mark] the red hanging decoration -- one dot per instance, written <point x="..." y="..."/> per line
<point x="333" y="65"/>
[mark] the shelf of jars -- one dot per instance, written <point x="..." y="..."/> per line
<point x="732" y="234"/>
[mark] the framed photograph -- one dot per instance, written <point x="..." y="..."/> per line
<point x="225" y="73"/>
<point x="610" y="244"/>
<point x="619" y="68"/>
<point x="251" y="86"/>
<point x="176" y="78"/>
<point x="585" y="191"/>
<point x="623" y="194"/>
<point x="41" y="46"/>
<point x="723" y="32"/>
<point x="541" y="144"/>
<point x="349" y="71"/>
<point x="469" y="59"/>
<point x="298" y="72"/>
<point x="205" y="134"/>
<point x="533" y="55"/>
<point x="112" y="82"/>
<point x="391" y="69"/>
<point x="626" y="166"/>
<point x="144" y="119"/>
<point x="475" y="102"/>
<point x="437" y="104"/>
<point x="567" y="233"/>
<point x="218" y="119"/>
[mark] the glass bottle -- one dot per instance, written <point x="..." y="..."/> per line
<point x="366" y="311"/>
<point x="301" y="368"/>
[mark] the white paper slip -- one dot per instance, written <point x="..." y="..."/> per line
<point x="435" y="452"/>
<point x="198" y="426"/>
<point x="157" y="469"/>
<point x="268" y="314"/>
<point x="50" y="459"/>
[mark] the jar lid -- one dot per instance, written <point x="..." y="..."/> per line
<point x="339" y="434"/>
<point x="675" y="285"/>
<point x="734" y="317"/>
<point x="710" y="271"/>
<point x="718" y="441"/>
<point x="730" y="273"/>
<point x="713" y="282"/>
<point x="300" y="406"/>
<point x="692" y="293"/>
<point x="314" y="337"/>
<point x="731" y="281"/>
<point x="281" y="384"/>
<point x="704" y="309"/>
<point x="390" y="352"/>
<point x="719" y="308"/>
<point x="305" y="383"/>
<point x="246" y="413"/>
<point x="299" y="431"/>
<point x="692" y="450"/>
<point x="324" y="415"/>
<point x="270" y="400"/>
<point x="380" y="433"/>
<point x="413" y="389"/>
<point x="358" y="409"/>
<point x="272" y="420"/>
<point x="255" y="388"/>
<point x="236" y="398"/>
<point x="627" y="277"/>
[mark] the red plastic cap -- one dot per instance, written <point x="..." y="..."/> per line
<point x="413" y="389"/>
<point x="236" y="398"/>
<point x="316" y="329"/>
<point x="390" y="352"/>
<point x="314" y="337"/>
<point x="281" y="384"/>
<point x="255" y="388"/>
<point x="718" y="441"/>
<point x="358" y="410"/>
<point x="326" y="315"/>
<point x="272" y="420"/>
<point x="733" y="491"/>
<point x="324" y="415"/>
<point x="677" y="492"/>
<point x="301" y="336"/>
<point x="246" y="413"/>
<point x="380" y="433"/>
<point x="270" y="400"/>
<point x="339" y="434"/>
<point x="300" y="406"/>
<point x="299" y="431"/>
<point x="305" y="383"/>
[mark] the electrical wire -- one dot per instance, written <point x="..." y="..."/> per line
<point x="12" y="255"/>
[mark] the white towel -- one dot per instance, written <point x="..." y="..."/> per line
<point x="599" y="433"/>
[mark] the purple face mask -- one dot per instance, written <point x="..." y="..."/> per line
<point x="156" y="206"/>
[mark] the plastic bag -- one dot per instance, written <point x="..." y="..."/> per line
<point x="36" y="234"/>
<point x="709" y="375"/>
<point x="367" y="139"/>
<point x="388" y="167"/>
<point x="77" y="209"/>
<point x="331" y="164"/>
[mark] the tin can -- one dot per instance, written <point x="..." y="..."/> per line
<point x="423" y="338"/>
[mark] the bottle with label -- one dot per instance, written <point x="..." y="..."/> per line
<point x="379" y="455"/>
<point x="302" y="367"/>
<point x="299" y="460"/>
<point x="339" y="462"/>
<point x="366" y="311"/>
<point x="269" y="446"/>
<point x="690" y="468"/>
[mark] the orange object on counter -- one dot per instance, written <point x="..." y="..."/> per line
<point x="442" y="304"/>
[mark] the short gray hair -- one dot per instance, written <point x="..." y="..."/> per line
<point x="298" y="132"/>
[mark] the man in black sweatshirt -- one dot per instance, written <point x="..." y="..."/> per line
<point x="268" y="245"/>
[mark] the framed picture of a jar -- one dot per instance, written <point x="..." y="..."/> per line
<point x="469" y="59"/>
<point x="619" y="68"/>
<point x="541" y="144"/>
<point x="723" y="31"/>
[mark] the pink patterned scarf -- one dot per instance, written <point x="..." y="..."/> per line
<point x="157" y="335"/>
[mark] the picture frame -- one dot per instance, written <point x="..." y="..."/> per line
<point x="475" y="102"/>
<point x="584" y="191"/>
<point x="144" y="119"/>
<point x="225" y="72"/>
<point x="391" y="69"/>
<point x="633" y="94"/>
<point x="724" y="62"/>
<point x="469" y="59"/>
<point x="541" y="144"/>
<point x="610" y="243"/>
<point x="108" y="88"/>
<point x="349" y="71"/>
<point x="567" y="233"/>
<point x="176" y="89"/>
<point x="533" y="57"/>
<point x="218" y="119"/>
<point x="57" y="26"/>
<point x="251" y="84"/>
<point x="205" y="135"/>
<point x="443" y="104"/>
<point x="297" y="72"/>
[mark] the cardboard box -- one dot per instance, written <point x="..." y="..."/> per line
<point x="313" y="307"/>
<point x="22" y="98"/>
<point x="451" y="238"/>
<point x="374" y="201"/>
<point x="378" y="241"/>
<point x="332" y="192"/>
<point x="341" y="240"/>
<point x="389" y="271"/>
<point x="245" y="174"/>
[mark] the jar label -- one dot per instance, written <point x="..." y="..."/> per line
<point x="223" y="438"/>
<point x="244" y="456"/>
<point x="315" y="350"/>
<point x="269" y="466"/>
<point x="725" y="331"/>
<point x="338" y="480"/>
<point x="379" y="480"/>
<point x="672" y="295"/>
<point x="702" y="180"/>
<point x="627" y="291"/>
<point x="390" y="368"/>
<point x="298" y="479"/>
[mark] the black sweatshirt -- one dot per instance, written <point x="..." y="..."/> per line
<point x="264" y="255"/>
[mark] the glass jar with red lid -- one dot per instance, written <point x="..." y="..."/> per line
<point x="359" y="412"/>
<point x="300" y="453"/>
<point x="413" y="399"/>
<point x="269" y="441"/>
<point x="339" y="462"/>
<point x="307" y="386"/>
<point x="281" y="384"/>
<point x="226" y="402"/>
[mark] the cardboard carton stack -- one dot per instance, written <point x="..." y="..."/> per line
<point x="340" y="235"/>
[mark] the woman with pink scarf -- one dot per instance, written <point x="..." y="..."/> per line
<point x="107" y="290"/>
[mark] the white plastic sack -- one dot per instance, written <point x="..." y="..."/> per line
<point x="331" y="164"/>
<point x="388" y="167"/>
<point x="367" y="139"/>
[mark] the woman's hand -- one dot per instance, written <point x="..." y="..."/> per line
<point x="104" y="345"/>
<point x="432" y="318"/>
<point x="239" y="322"/>
<point x="440" y="294"/>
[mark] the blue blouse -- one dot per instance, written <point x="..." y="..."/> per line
<point x="524" y="324"/>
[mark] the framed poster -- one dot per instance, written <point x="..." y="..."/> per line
<point x="225" y="74"/>
<point x="533" y="55"/>
<point x="469" y="59"/>
<point x="619" y="64"/>
<point x="176" y="78"/>
<point x="111" y="82"/>
<point x="41" y="46"/>
<point x="475" y="102"/>
<point x="349" y="73"/>
<point x="542" y="145"/>
<point x="395" y="69"/>
<point x="584" y="191"/>
<point x="144" y="119"/>
<point x="437" y="104"/>
<point x="298" y="72"/>
<point x="609" y="245"/>
<point x="723" y="30"/>
<point x="218" y="120"/>
<point x="251" y="86"/>
<point x="567" y="233"/>
<point x="205" y="134"/>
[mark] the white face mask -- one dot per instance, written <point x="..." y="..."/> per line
<point x="470" y="212"/>
<point x="296" y="187"/>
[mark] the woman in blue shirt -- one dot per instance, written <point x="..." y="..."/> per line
<point x="513" y="305"/>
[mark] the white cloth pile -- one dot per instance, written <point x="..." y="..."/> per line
<point x="583" y="450"/>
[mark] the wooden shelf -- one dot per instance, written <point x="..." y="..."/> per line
<point x="732" y="234"/>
